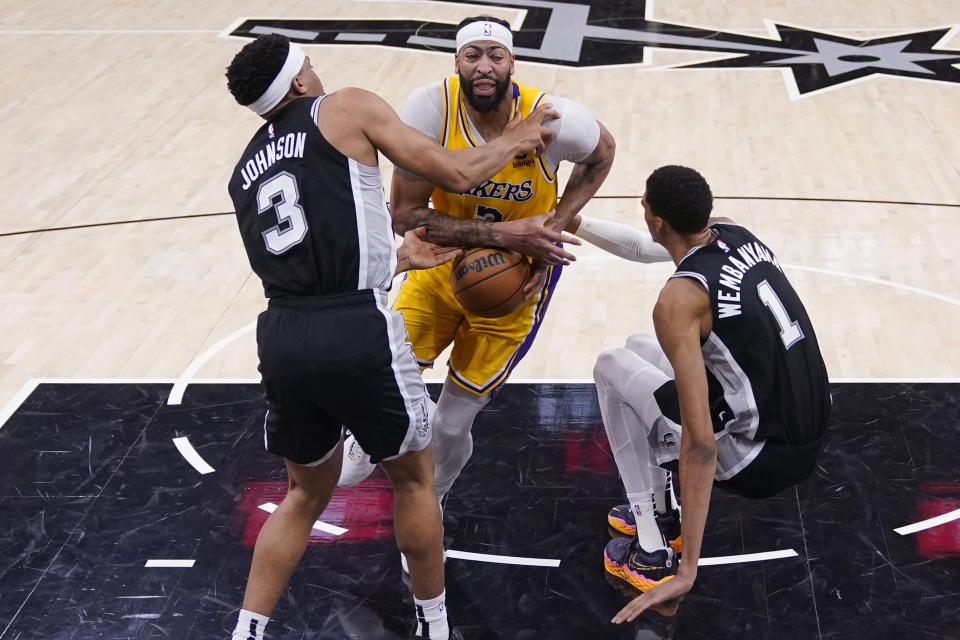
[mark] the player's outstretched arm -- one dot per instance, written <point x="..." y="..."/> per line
<point x="409" y="196"/>
<point x="416" y="253"/>
<point x="680" y="316"/>
<point x="619" y="239"/>
<point x="455" y="171"/>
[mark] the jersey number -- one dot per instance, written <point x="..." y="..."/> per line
<point x="281" y="195"/>
<point x="488" y="213"/>
<point x="790" y="331"/>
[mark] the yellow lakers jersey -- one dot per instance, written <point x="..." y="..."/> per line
<point x="525" y="187"/>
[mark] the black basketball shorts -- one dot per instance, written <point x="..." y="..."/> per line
<point x="744" y="467"/>
<point x="339" y="361"/>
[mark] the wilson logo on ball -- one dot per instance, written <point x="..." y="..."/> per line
<point x="483" y="262"/>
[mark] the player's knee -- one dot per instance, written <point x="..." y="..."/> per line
<point x="305" y="500"/>
<point x="644" y="345"/>
<point x="455" y="414"/>
<point x="606" y="371"/>
<point x="411" y="472"/>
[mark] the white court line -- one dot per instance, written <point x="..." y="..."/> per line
<point x="829" y="272"/>
<point x="487" y="557"/>
<point x="176" y="394"/>
<point x="550" y="562"/>
<point x="166" y="564"/>
<point x="950" y="516"/>
<point x="141" y="616"/>
<point x="872" y="280"/>
<point x="17" y="400"/>
<point x="190" y="454"/>
<point x="270" y="507"/>
<point x="747" y="557"/>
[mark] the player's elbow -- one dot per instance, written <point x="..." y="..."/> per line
<point x="606" y="149"/>
<point x="459" y="180"/>
<point x="403" y="219"/>
<point x="701" y="452"/>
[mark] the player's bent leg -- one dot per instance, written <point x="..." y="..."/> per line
<point x="284" y="537"/>
<point x="666" y="505"/>
<point x="418" y="528"/>
<point x="452" y="442"/>
<point x="626" y="388"/>
<point x="648" y="347"/>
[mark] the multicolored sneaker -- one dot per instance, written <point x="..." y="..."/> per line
<point x="625" y="559"/>
<point x="620" y="519"/>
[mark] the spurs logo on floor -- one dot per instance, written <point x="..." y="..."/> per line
<point x="579" y="33"/>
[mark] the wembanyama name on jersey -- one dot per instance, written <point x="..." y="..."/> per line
<point x="733" y="272"/>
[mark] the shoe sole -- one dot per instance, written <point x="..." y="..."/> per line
<point x="621" y="526"/>
<point x="636" y="580"/>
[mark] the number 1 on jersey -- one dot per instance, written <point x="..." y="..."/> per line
<point x="281" y="195"/>
<point x="790" y="331"/>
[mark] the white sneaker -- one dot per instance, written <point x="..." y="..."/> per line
<point x="356" y="464"/>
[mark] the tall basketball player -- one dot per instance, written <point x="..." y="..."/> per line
<point x="317" y="231"/>
<point x="465" y="111"/>
<point x="732" y="391"/>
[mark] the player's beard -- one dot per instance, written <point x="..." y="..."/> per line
<point x="485" y="104"/>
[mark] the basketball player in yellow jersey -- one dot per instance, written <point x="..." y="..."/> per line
<point x="468" y="110"/>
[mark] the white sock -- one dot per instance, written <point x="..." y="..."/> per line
<point x="250" y="626"/>
<point x="670" y="499"/>
<point x="432" y="617"/>
<point x="661" y="478"/>
<point x="648" y="533"/>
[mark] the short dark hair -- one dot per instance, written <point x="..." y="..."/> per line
<point x="255" y="67"/>
<point x="472" y="19"/>
<point x="681" y="196"/>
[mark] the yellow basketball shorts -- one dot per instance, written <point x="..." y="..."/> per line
<point x="485" y="350"/>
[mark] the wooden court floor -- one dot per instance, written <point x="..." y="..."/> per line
<point x="117" y="112"/>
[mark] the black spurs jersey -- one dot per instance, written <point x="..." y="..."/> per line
<point x="766" y="376"/>
<point x="314" y="222"/>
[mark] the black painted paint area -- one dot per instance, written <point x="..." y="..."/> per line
<point x="92" y="486"/>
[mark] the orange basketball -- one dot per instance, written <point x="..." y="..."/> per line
<point x="489" y="282"/>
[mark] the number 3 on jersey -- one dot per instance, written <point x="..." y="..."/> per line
<point x="790" y="331"/>
<point x="488" y="213"/>
<point x="281" y="195"/>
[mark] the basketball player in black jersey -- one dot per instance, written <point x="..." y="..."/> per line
<point x="317" y="231"/>
<point x="732" y="391"/>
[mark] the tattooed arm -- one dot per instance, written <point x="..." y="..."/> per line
<point x="409" y="206"/>
<point x="585" y="179"/>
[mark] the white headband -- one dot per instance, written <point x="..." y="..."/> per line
<point x="280" y="86"/>
<point x="485" y="31"/>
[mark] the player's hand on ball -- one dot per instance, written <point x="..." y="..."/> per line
<point x="534" y="237"/>
<point x="538" y="276"/>
<point x="416" y="253"/>
<point x="663" y="599"/>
